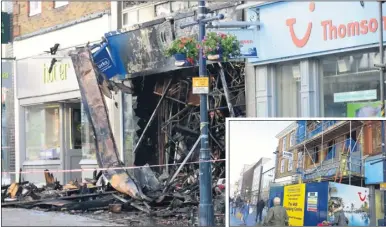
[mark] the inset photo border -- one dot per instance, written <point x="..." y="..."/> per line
<point x="315" y="170"/>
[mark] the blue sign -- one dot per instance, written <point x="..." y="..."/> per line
<point x="374" y="170"/>
<point x="248" y="40"/>
<point x="105" y="62"/>
<point x="291" y="29"/>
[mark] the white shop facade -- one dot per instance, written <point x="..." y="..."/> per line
<point x="52" y="130"/>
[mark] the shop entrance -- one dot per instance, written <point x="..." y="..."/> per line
<point x="73" y="139"/>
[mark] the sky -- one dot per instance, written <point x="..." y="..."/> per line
<point x="250" y="141"/>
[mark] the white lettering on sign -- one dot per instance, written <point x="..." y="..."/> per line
<point x="104" y="64"/>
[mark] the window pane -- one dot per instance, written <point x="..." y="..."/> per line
<point x="177" y="6"/>
<point x="146" y="14"/>
<point x="162" y="9"/>
<point x="87" y="137"/>
<point x="42" y="132"/>
<point x="351" y="85"/>
<point x="132" y="17"/>
<point x="288" y="89"/>
<point x="34" y="7"/>
<point x="60" y="3"/>
<point x="124" y="19"/>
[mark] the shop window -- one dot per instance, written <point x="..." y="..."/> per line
<point x="58" y="4"/>
<point x="331" y="150"/>
<point x="284" y="143"/>
<point x="292" y="139"/>
<point x="282" y="166"/>
<point x="42" y="132"/>
<point x="288" y="90"/>
<point x="351" y="85"/>
<point x="300" y="160"/>
<point x="290" y="165"/>
<point x="86" y="134"/>
<point x="35" y="7"/>
<point x="179" y="5"/>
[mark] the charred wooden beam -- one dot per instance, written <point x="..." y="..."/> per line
<point x="95" y="108"/>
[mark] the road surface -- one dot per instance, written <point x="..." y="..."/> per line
<point x="24" y="217"/>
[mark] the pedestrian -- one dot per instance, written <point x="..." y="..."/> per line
<point x="234" y="207"/>
<point x="339" y="217"/>
<point x="245" y="212"/>
<point x="259" y="211"/>
<point x="277" y="215"/>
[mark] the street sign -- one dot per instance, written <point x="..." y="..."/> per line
<point x="5" y="28"/>
<point x="382" y="186"/>
<point x="287" y="155"/>
<point x="200" y="85"/>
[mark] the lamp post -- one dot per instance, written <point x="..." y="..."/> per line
<point x="206" y="212"/>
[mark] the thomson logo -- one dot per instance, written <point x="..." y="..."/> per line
<point x="104" y="64"/>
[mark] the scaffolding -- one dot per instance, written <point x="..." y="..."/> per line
<point x="332" y="149"/>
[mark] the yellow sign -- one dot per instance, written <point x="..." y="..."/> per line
<point x="382" y="186"/>
<point x="200" y="85"/>
<point x="4" y="75"/>
<point x="59" y="73"/>
<point x="294" y="203"/>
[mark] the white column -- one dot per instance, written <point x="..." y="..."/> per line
<point x="250" y="90"/>
<point x="310" y="88"/>
<point x="265" y="91"/>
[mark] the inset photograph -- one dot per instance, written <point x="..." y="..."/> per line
<point x="306" y="172"/>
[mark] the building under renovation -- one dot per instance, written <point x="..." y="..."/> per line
<point x="334" y="151"/>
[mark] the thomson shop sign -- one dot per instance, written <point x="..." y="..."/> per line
<point x="294" y="28"/>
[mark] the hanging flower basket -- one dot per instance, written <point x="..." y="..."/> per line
<point x="184" y="50"/>
<point x="220" y="47"/>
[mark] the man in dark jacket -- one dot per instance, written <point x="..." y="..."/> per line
<point x="259" y="210"/>
<point x="277" y="215"/>
<point x="339" y="217"/>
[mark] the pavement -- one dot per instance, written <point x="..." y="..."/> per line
<point x="234" y="221"/>
<point x="24" y="217"/>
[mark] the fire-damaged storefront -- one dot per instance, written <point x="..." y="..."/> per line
<point x="161" y="114"/>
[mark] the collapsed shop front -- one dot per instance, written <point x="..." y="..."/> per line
<point x="315" y="61"/>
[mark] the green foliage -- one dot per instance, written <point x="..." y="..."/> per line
<point x="183" y="45"/>
<point x="225" y="44"/>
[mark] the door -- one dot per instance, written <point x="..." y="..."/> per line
<point x="73" y="141"/>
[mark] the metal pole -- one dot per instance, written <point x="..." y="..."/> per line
<point x="206" y="212"/>
<point x="349" y="153"/>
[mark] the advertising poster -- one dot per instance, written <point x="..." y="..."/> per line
<point x="364" y="109"/>
<point x="294" y="203"/>
<point x="352" y="200"/>
<point x="312" y="201"/>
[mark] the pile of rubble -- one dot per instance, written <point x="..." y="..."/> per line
<point x="172" y="201"/>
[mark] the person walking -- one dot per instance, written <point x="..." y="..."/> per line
<point x="339" y="217"/>
<point x="277" y="215"/>
<point x="259" y="211"/>
<point x="245" y="212"/>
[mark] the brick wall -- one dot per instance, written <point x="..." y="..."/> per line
<point x="24" y="24"/>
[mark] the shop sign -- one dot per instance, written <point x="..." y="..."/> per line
<point x="288" y="155"/>
<point x="303" y="28"/>
<point x="294" y="196"/>
<point x="58" y="73"/>
<point x="355" y="96"/>
<point x="247" y="39"/>
<point x="5" y="28"/>
<point x="200" y="85"/>
<point x="6" y="74"/>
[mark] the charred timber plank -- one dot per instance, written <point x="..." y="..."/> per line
<point x="95" y="108"/>
<point x="226" y="90"/>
